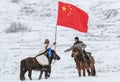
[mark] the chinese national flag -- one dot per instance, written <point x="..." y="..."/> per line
<point x="72" y="17"/>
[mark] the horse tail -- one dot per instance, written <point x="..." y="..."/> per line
<point x="94" y="71"/>
<point x="22" y="69"/>
<point x="22" y="65"/>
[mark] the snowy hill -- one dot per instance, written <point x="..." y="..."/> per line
<point x="39" y="18"/>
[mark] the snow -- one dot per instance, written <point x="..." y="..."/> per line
<point x="102" y="39"/>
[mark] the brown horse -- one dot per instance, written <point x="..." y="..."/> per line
<point x="82" y="64"/>
<point x="31" y="63"/>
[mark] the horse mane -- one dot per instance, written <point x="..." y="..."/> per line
<point x="80" y="57"/>
<point x="77" y="49"/>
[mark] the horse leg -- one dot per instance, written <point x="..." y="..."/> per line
<point x="84" y="72"/>
<point x="94" y="71"/>
<point x="91" y="69"/>
<point x="88" y="71"/>
<point x="49" y="71"/>
<point x="78" y="68"/>
<point x="29" y="74"/>
<point x="79" y="72"/>
<point x="46" y="74"/>
<point x="84" y="66"/>
<point x="41" y="74"/>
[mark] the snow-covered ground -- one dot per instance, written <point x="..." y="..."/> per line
<point x="102" y="39"/>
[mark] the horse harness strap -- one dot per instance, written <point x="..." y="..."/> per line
<point x="53" y="62"/>
<point x="80" y="63"/>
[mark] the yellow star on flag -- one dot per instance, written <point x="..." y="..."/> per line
<point x="73" y="17"/>
<point x="64" y="8"/>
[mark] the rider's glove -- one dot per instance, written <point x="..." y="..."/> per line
<point x="54" y="43"/>
<point x="65" y="50"/>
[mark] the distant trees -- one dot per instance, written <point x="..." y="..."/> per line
<point x="15" y="1"/>
<point x="17" y="27"/>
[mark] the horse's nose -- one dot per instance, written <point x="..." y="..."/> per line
<point x="58" y="58"/>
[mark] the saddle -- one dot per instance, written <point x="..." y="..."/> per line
<point x="87" y="56"/>
<point x="42" y="60"/>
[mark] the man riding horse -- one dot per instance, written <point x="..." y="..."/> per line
<point x="80" y="45"/>
<point x="45" y="48"/>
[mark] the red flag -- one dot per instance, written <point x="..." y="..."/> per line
<point x="72" y="17"/>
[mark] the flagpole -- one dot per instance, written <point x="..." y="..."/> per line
<point x="55" y="37"/>
<point x="56" y="32"/>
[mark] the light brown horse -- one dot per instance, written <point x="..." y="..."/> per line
<point x="81" y="62"/>
<point x="31" y="63"/>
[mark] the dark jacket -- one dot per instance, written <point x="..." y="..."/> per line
<point x="79" y="45"/>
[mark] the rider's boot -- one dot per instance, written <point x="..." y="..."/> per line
<point x="87" y="58"/>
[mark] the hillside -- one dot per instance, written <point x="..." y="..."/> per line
<point x="39" y="18"/>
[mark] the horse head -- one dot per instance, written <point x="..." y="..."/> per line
<point x="76" y="52"/>
<point x="54" y="55"/>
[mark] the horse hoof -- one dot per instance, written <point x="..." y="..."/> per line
<point x="22" y="78"/>
<point x="79" y="75"/>
<point x="46" y="77"/>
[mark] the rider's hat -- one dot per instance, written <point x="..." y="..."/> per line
<point x="47" y="41"/>
<point x="76" y="38"/>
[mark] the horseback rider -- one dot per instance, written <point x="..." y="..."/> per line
<point x="43" y="59"/>
<point x="80" y="45"/>
<point x="46" y="47"/>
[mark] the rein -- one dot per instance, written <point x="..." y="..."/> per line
<point x="54" y="59"/>
<point x="53" y="62"/>
<point x="80" y="56"/>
